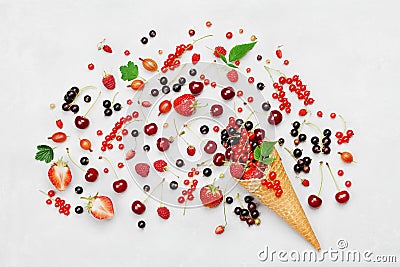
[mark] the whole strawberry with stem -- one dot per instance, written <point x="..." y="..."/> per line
<point x="211" y="196"/>
<point x="101" y="207"/>
<point x="108" y="81"/>
<point x="161" y="166"/>
<point x="60" y="175"/>
<point x="186" y="105"/>
<point x="219" y="50"/>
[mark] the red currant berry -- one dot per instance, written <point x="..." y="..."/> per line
<point x="216" y="129"/>
<point x="302" y="112"/>
<point x="248" y="70"/>
<point x="345" y="139"/>
<point x="202" y="77"/>
<point x="282" y="80"/>
<point x="339" y="134"/>
<point x="272" y="175"/>
<point x="333" y="115"/>
<point x="91" y="66"/>
<point x="275" y="95"/>
<point x="105" y="170"/>
<point x="190" y="174"/>
<point x="124" y="132"/>
<point x="49" y="201"/>
<point x="240" y="110"/>
<point x="135" y="114"/>
<point x="250" y="80"/>
<point x="181" y="199"/>
<point x="349" y="133"/>
<point x="51" y="193"/>
<point x="250" y="99"/>
<point x="121" y="146"/>
<point x="190" y="197"/>
<point x="340" y="172"/>
<point x="186" y="182"/>
<point x="286" y="62"/>
<point x="319" y="114"/>
<point x="347" y="184"/>
<point x="229" y="35"/>
<point x="239" y="93"/>
<point x="129" y="101"/>
<point x="184" y="192"/>
<point x="99" y="132"/>
<point x="237" y="62"/>
<point x="120" y="165"/>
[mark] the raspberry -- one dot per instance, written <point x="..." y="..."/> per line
<point x="142" y="169"/>
<point x="219" y="50"/>
<point x="163" y="212"/>
<point x="236" y="170"/>
<point x="232" y="76"/>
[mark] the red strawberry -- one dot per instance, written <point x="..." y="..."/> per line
<point x="211" y="196"/>
<point x="160" y="165"/>
<point x="195" y="58"/>
<point x="130" y="154"/>
<point x="108" y="81"/>
<point x="279" y="53"/>
<point x="60" y="175"/>
<point x="142" y="169"/>
<point x="185" y="105"/>
<point x="59" y="123"/>
<point x="232" y="76"/>
<point x="163" y="212"/>
<point x="220" y="229"/>
<point x="107" y="48"/>
<point x="219" y="50"/>
<point x="236" y="170"/>
<point x="101" y="207"/>
<point x="251" y="173"/>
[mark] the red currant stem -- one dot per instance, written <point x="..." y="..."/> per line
<point x="344" y="123"/>
<point x="100" y="44"/>
<point x="81" y="90"/>
<point x="276" y="70"/>
<point x="113" y="100"/>
<point x="112" y="167"/>
<point x="90" y="108"/>
<point x="291" y="153"/>
<point x="270" y="75"/>
<point x="195" y="134"/>
<point x="180" y="134"/>
<point x="155" y="188"/>
<point x="322" y="178"/>
<point x="41" y="191"/>
<point x="184" y="207"/>
<point x="226" y="222"/>
<point x="69" y="156"/>
<point x="319" y="130"/>
<point x="333" y="177"/>
<point x="240" y="202"/>
<point x="201" y="38"/>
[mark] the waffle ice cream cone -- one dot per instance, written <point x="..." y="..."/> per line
<point x="287" y="206"/>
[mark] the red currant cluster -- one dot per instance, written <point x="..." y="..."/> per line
<point x="191" y="184"/>
<point x="272" y="183"/>
<point x="207" y="81"/>
<point x="63" y="208"/>
<point x="173" y="61"/>
<point x="344" y="138"/>
<point x="295" y="85"/>
<point x="117" y="132"/>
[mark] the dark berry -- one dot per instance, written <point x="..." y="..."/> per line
<point x="245" y="212"/>
<point x="67" y="99"/>
<point x="306" y="169"/>
<point x="144" y="40"/>
<point x="296" y="141"/>
<point x="260" y="86"/>
<point x="152" y="33"/>
<point x="79" y="190"/>
<point x="237" y="210"/>
<point x="75" y="89"/>
<point x="207" y="172"/>
<point x="297" y="153"/>
<point x="326" y="150"/>
<point x="229" y="200"/>
<point x="146" y="188"/>
<point x="297" y="168"/>
<point x="173" y="185"/>
<point x="154" y="92"/>
<point x="165" y="89"/>
<point x="254" y="214"/>
<point x="281" y="141"/>
<point x="251" y="206"/>
<point x="231" y="131"/>
<point x="266" y="106"/>
<point x="176" y="87"/>
<point x="135" y="133"/>
<point x="192" y="72"/>
<point x="87" y="98"/>
<point x="316" y="149"/>
<point x="300" y="162"/>
<point x="248" y="125"/>
<point x="307" y="161"/>
<point x="146" y="148"/>
<point x="78" y="209"/>
<point x="254" y="145"/>
<point x="314" y="140"/>
<point x="108" y="112"/>
<point x="239" y="122"/>
<point x="163" y="80"/>
<point x="294" y="132"/>
<point x="71" y="94"/>
<point x="302" y="137"/>
<point x="250" y="221"/>
<point x="141" y="224"/>
<point x="84" y="160"/>
<point x="296" y="125"/>
<point x="107" y="103"/>
<point x="204" y="129"/>
<point x="327" y="132"/>
<point x="117" y="106"/>
<point x="259" y="57"/>
<point x="248" y="199"/>
<point x="179" y="163"/>
<point x="74" y="108"/>
<point x="326" y="141"/>
<point x="182" y="80"/>
<point x="65" y="106"/>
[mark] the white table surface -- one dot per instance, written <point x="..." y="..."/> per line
<point x="347" y="51"/>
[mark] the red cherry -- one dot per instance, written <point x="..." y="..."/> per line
<point x="196" y="87"/>
<point x="275" y="117"/>
<point x="81" y="122"/>
<point x="120" y="185"/>
<point x="314" y="201"/>
<point x="227" y="93"/>
<point x="150" y="129"/>
<point x="162" y="144"/>
<point x="91" y="175"/>
<point x="342" y="196"/>
<point x="219" y="159"/>
<point x="138" y="207"/>
<point x="210" y="147"/>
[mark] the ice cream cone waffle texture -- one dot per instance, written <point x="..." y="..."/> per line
<point x="287" y="206"/>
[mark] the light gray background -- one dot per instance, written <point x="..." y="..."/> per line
<point x="347" y="51"/>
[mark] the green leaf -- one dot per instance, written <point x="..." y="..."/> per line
<point x="223" y="58"/>
<point x="45" y="153"/>
<point x="268" y="160"/>
<point x="267" y="148"/>
<point x="129" y="72"/>
<point x="232" y="66"/>
<point x="239" y="51"/>
<point x="257" y="153"/>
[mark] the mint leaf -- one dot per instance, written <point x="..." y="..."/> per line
<point x="239" y="51"/>
<point x="267" y="148"/>
<point x="257" y="153"/>
<point x="45" y="153"/>
<point x="268" y="160"/>
<point x="129" y="72"/>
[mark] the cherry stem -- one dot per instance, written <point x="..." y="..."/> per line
<point x="112" y="167"/>
<point x="240" y="202"/>
<point x="90" y="108"/>
<point x="291" y="153"/>
<point x="155" y="188"/>
<point x="333" y="177"/>
<point x="344" y="123"/>
<point x="316" y="127"/>
<point x="112" y="103"/>
<point x="69" y="156"/>
<point x="81" y="90"/>
<point x="322" y="178"/>
<point x="206" y="36"/>
<point x="226" y="223"/>
<point x="41" y="191"/>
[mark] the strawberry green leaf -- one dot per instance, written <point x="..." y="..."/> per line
<point x="129" y="72"/>
<point x="267" y="148"/>
<point x="257" y="153"/>
<point x="239" y="51"/>
<point x="221" y="56"/>
<point x="268" y="160"/>
<point x="45" y="153"/>
<point x="232" y="66"/>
